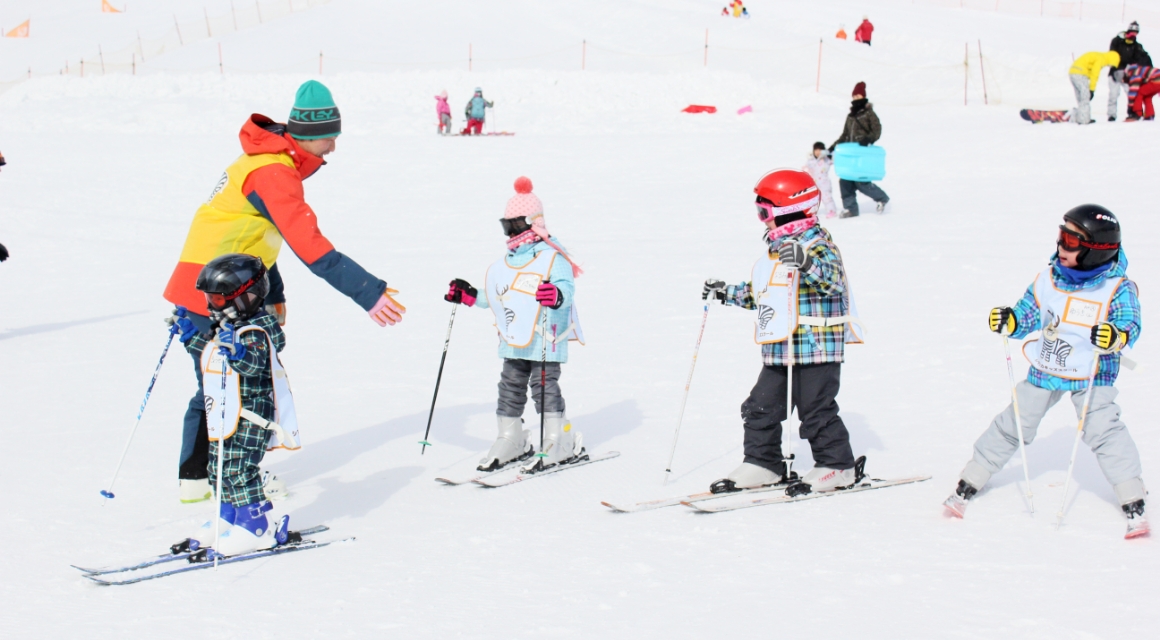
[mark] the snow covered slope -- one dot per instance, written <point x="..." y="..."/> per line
<point x="104" y="174"/>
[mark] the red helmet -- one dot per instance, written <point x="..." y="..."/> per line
<point x="789" y="191"/>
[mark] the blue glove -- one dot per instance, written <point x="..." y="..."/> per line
<point x="180" y="325"/>
<point x="226" y="343"/>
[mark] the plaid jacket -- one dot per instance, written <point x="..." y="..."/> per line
<point x="822" y="292"/>
<point x="255" y="382"/>
<point x="1123" y="313"/>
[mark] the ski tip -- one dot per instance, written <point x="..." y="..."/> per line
<point x="99" y="581"/>
<point x="614" y="507"/>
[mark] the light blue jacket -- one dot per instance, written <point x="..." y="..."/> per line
<point x="561" y="276"/>
<point x="477" y="108"/>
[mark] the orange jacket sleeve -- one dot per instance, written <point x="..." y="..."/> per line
<point x="276" y="191"/>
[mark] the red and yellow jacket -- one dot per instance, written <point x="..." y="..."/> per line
<point x="258" y="204"/>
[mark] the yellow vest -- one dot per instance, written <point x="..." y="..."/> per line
<point x="228" y="223"/>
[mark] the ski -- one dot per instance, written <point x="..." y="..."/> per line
<point x="522" y="475"/>
<point x="661" y="503"/>
<point x="170" y="557"/>
<point x="864" y="485"/>
<point x="479" y="475"/>
<point x="209" y="564"/>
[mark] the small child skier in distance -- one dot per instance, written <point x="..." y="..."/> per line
<point x="818" y="165"/>
<point x="1084" y="304"/>
<point x="816" y="332"/>
<point x="443" y="112"/>
<point x="535" y="277"/>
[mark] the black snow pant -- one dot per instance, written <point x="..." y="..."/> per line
<point x="520" y="376"/>
<point x="815" y="389"/>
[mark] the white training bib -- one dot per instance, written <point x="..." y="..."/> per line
<point x="284" y="428"/>
<point x="511" y="294"/>
<point x="777" y="308"/>
<point x="1064" y="348"/>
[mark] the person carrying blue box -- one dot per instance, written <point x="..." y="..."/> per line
<point x="864" y="128"/>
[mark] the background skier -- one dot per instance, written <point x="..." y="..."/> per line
<point x="1085" y="74"/>
<point x="1143" y="82"/>
<point x="443" y="112"/>
<point x="818" y="165"/>
<point x="476" y="112"/>
<point x="863" y="127"/>
<point x="1131" y="52"/>
<point x="864" y="31"/>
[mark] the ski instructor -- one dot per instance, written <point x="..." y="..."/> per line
<point x="256" y="206"/>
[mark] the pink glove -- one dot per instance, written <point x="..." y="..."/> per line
<point x="548" y="295"/>
<point x="461" y="292"/>
<point x="387" y="310"/>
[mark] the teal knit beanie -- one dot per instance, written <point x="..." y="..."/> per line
<point x="314" y="115"/>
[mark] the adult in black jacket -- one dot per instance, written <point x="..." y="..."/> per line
<point x="863" y="127"/>
<point x="1131" y="52"/>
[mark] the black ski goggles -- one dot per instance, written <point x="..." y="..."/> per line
<point x="1072" y="241"/>
<point x="514" y="226"/>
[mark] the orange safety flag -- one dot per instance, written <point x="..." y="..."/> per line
<point x="21" y="31"/>
<point x="108" y="8"/>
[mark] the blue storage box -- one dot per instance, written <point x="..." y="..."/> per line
<point x="854" y="162"/>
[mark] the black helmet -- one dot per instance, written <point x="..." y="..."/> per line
<point x="1102" y="243"/>
<point x="235" y="286"/>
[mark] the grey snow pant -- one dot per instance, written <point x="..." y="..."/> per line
<point x="1115" y="84"/>
<point x="1102" y="431"/>
<point x="1082" y="113"/>
<point x="815" y="389"/>
<point x="850" y="190"/>
<point x="520" y="375"/>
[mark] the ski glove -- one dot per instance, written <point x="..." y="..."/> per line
<point x="3" y="253"/>
<point x="715" y="289"/>
<point x="278" y="310"/>
<point x="1002" y="320"/>
<point x="1107" y="337"/>
<point x="461" y="292"/>
<point x="794" y="256"/>
<point x="549" y="295"/>
<point x="387" y="310"/>
<point x="180" y="325"/>
<point x="226" y="342"/>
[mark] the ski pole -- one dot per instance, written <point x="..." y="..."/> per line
<point x="791" y="298"/>
<point x="1018" y="424"/>
<point x="217" y="522"/>
<point x="1087" y="401"/>
<point x="685" y="398"/>
<point x="108" y="493"/>
<point x="543" y="377"/>
<point x="438" y="379"/>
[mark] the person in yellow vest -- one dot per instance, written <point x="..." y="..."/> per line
<point x="1085" y="73"/>
<point x="256" y="206"/>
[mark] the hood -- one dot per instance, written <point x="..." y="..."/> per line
<point x="260" y="134"/>
<point x="1119" y="270"/>
<point x="1112" y="59"/>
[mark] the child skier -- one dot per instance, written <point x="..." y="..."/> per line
<point x="1084" y="304"/>
<point x="819" y="315"/>
<point x="818" y="166"/>
<point x="443" y="112"/>
<point x="531" y="290"/>
<point x="476" y="112"/>
<point x="246" y="344"/>
<point x="1143" y="82"/>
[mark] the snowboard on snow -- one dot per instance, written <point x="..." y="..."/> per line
<point x="1038" y="115"/>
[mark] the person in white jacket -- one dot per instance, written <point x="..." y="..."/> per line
<point x="818" y="166"/>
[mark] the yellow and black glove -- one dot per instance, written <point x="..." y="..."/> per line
<point x="1002" y="320"/>
<point x="1107" y="337"/>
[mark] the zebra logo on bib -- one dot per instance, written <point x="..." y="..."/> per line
<point x="1053" y="347"/>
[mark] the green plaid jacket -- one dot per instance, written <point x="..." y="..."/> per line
<point x="257" y="386"/>
<point x="822" y="292"/>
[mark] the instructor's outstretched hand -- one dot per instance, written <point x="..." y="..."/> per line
<point x="387" y="310"/>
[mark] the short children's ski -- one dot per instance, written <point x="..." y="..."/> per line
<point x="661" y="503"/>
<point x="864" y="485"/>
<point x="180" y="552"/>
<point x="203" y="560"/>
<point x="520" y="475"/>
<point x="1038" y="115"/>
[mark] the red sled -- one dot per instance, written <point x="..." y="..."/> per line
<point x="699" y="108"/>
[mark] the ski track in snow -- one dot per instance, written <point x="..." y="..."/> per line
<point x="104" y="175"/>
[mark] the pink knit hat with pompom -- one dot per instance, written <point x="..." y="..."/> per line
<point x="526" y="205"/>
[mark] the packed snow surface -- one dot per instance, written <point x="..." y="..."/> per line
<point x="103" y="177"/>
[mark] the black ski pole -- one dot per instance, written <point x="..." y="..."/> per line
<point x="438" y="379"/>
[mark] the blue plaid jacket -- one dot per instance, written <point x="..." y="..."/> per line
<point x="1123" y="313"/>
<point x="822" y="292"/>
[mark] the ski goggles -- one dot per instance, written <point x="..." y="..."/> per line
<point x="767" y="211"/>
<point x="1072" y="241"/>
<point x="220" y="301"/>
<point x="514" y="226"/>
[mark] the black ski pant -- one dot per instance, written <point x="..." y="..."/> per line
<point x="520" y="376"/>
<point x="815" y="389"/>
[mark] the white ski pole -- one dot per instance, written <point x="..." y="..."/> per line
<point x="791" y="299"/>
<point x="1019" y="424"/>
<point x="1087" y="401"/>
<point x="217" y="521"/>
<point x="688" y="383"/>
<point x="108" y="493"/>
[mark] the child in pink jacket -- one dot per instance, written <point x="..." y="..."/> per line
<point x="443" y="110"/>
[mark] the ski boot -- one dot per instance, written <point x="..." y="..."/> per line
<point x="752" y="476"/>
<point x="822" y="479"/>
<point x="251" y="530"/>
<point x="274" y="487"/>
<point x="846" y="213"/>
<point x="562" y="445"/>
<point x="195" y="490"/>
<point x="1131" y="494"/>
<point x="204" y="536"/>
<point x="510" y="445"/>
<point x="957" y="504"/>
<point x="883" y="207"/>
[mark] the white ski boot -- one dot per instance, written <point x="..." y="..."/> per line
<point x="1131" y="495"/>
<point x="195" y="490"/>
<point x="203" y="536"/>
<point x="274" y="487"/>
<point x="562" y="444"/>
<point x="747" y="476"/>
<point x="251" y="531"/>
<point x="822" y="479"/>
<point x="510" y="445"/>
